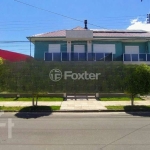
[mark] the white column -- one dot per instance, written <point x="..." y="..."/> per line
<point x="89" y="46"/>
<point x="69" y="49"/>
<point x="68" y="46"/>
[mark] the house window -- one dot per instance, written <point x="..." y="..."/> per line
<point x="79" y="48"/>
<point x="104" y="48"/>
<point x="131" y="49"/>
<point x="54" y="48"/>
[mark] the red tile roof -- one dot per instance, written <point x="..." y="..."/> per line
<point x="121" y="34"/>
<point x="99" y="33"/>
<point x="78" y="28"/>
<point x="61" y="33"/>
<point x="13" y="56"/>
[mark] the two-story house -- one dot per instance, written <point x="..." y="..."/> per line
<point x="81" y="44"/>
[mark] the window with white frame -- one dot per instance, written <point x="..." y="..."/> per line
<point x="104" y="48"/>
<point x="79" y="48"/>
<point x="54" y="48"/>
<point x="131" y="49"/>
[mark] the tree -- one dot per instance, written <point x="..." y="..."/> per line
<point x="137" y="80"/>
<point x="32" y="79"/>
<point x="3" y="73"/>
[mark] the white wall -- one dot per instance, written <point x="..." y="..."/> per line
<point x="89" y="46"/>
<point x="79" y="34"/>
<point x="69" y="46"/>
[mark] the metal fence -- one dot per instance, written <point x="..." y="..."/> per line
<point x="78" y="56"/>
<point x="136" y="57"/>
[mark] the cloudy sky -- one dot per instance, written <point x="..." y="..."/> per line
<point x="22" y="18"/>
<point x="136" y="24"/>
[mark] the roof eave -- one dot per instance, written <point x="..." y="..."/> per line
<point x="33" y="38"/>
<point x="101" y="37"/>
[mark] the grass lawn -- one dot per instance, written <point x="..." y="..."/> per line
<point x="119" y="99"/>
<point x="30" y="99"/>
<point x="129" y="108"/>
<point x="30" y="108"/>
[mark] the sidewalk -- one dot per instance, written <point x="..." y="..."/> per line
<point x="23" y="103"/>
<point x="124" y="103"/>
<point x="82" y="104"/>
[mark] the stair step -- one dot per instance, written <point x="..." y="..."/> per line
<point x="80" y="96"/>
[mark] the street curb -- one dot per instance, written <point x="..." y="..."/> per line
<point x="80" y="111"/>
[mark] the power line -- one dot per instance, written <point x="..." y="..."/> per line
<point x="56" y="13"/>
<point x="102" y="19"/>
<point x="13" y="41"/>
<point x="20" y="25"/>
<point x="40" y="26"/>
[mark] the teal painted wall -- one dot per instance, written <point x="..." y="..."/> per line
<point x="42" y="47"/>
<point x="78" y="43"/>
<point x="148" y="46"/>
<point x="119" y="52"/>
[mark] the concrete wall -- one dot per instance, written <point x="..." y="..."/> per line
<point x="79" y="34"/>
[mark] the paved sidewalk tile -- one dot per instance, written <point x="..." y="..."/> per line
<point x="82" y="105"/>
<point x="19" y="103"/>
<point x="123" y="103"/>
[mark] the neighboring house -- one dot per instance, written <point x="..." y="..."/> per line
<point x="80" y="44"/>
<point x="13" y="56"/>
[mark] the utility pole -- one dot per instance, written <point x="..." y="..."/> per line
<point x="148" y="18"/>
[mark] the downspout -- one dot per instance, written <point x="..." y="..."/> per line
<point x="30" y="47"/>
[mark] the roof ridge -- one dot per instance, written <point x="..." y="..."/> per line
<point x="48" y="32"/>
<point x="120" y="31"/>
<point x="78" y="27"/>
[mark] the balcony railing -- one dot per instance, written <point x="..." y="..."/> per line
<point x="78" y="56"/>
<point x="136" y="57"/>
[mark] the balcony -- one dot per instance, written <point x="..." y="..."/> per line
<point x="136" y="58"/>
<point x="78" y="56"/>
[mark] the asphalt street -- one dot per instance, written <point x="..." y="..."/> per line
<point x="75" y="131"/>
